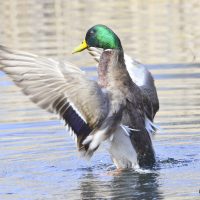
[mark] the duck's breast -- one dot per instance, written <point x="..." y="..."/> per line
<point x="122" y="150"/>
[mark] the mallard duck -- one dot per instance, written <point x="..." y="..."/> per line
<point x="119" y="108"/>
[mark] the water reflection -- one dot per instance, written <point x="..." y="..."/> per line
<point x="126" y="185"/>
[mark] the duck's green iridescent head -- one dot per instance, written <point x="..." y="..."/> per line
<point x="100" y="36"/>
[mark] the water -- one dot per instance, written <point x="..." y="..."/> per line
<point x="38" y="159"/>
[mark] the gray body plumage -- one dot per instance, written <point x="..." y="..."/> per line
<point x="115" y="109"/>
<point x="115" y="77"/>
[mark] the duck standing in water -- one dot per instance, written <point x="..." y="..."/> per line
<point x="119" y="108"/>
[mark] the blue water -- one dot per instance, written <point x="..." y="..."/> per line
<point x="39" y="159"/>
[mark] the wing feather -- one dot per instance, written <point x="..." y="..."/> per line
<point x="58" y="87"/>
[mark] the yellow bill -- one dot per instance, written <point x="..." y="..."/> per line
<point x="81" y="47"/>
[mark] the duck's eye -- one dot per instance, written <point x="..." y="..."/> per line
<point x="91" y="32"/>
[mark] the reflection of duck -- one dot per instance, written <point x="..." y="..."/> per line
<point x="121" y="107"/>
<point x="126" y="185"/>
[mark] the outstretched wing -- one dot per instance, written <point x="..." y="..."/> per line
<point x="144" y="79"/>
<point x="57" y="87"/>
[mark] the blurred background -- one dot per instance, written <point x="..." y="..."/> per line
<point x="155" y="31"/>
<point x="38" y="159"/>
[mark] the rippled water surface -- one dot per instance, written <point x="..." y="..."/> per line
<point x="38" y="159"/>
